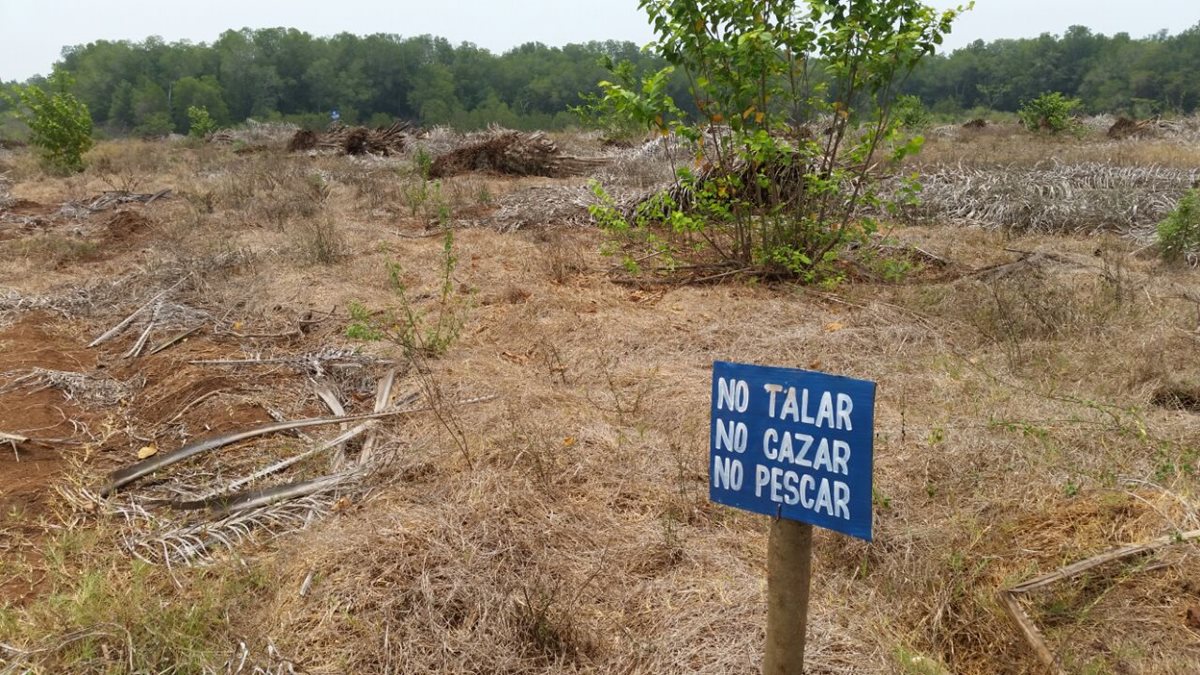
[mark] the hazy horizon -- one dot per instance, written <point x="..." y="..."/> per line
<point x="32" y="36"/>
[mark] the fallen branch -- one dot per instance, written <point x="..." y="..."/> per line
<point x="266" y="496"/>
<point x="280" y="466"/>
<point x="129" y="474"/>
<point x="214" y="500"/>
<point x="383" y="395"/>
<point x="241" y="362"/>
<point x="174" y="340"/>
<point x="326" y="393"/>
<point x="1031" y="633"/>
<point x="111" y="332"/>
<point x="137" y="347"/>
<point x="13" y="440"/>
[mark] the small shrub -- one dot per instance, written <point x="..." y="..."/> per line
<point x="910" y="112"/>
<point x="1051" y="112"/>
<point x="1179" y="233"/>
<point x="423" y="163"/>
<point x="321" y="242"/>
<point x="765" y="196"/>
<point x="361" y="326"/>
<point x="416" y="332"/>
<point x="155" y="125"/>
<point x="60" y="125"/>
<point x="200" y="123"/>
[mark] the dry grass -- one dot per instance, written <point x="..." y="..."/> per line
<point x="1017" y="430"/>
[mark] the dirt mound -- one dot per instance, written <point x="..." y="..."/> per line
<point x="512" y="153"/>
<point x="303" y="140"/>
<point x="27" y="207"/>
<point x="124" y="224"/>
<point x="1125" y="127"/>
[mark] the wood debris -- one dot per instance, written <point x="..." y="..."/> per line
<point x="129" y="474"/>
<point x="112" y="199"/>
<point x="385" y="141"/>
<point x="1125" y="127"/>
<point x="512" y="153"/>
<point x="1010" y="597"/>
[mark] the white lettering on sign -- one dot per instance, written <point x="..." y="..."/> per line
<point x="733" y="395"/>
<point x="794" y="447"/>
<point x="833" y="410"/>
<point x="727" y="473"/>
<point x="822" y="495"/>
<point x="733" y="436"/>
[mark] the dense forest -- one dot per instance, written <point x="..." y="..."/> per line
<point x="285" y="74"/>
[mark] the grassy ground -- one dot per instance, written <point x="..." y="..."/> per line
<point x="1025" y="420"/>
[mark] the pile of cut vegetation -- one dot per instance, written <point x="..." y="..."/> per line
<point x="511" y="153"/>
<point x="1050" y="197"/>
<point x="1126" y="127"/>
<point x="386" y="141"/>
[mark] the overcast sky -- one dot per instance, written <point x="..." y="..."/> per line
<point x="33" y="32"/>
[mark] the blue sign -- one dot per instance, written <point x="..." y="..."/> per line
<point x="793" y="444"/>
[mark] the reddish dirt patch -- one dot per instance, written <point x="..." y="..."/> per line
<point x="125" y="226"/>
<point x="34" y="343"/>
<point x="27" y="470"/>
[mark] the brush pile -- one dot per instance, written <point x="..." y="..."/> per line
<point x="1059" y="198"/>
<point x="109" y="200"/>
<point x="1125" y="127"/>
<point x="385" y="141"/>
<point x="545" y="206"/>
<point x="511" y="153"/>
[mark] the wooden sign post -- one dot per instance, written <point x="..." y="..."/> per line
<point x="789" y="571"/>
<point x="795" y="445"/>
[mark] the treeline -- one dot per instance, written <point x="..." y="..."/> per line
<point x="1118" y="74"/>
<point x="286" y="74"/>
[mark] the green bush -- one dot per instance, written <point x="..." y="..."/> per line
<point x="1179" y="233"/>
<point x="156" y="125"/>
<point x="200" y="123"/>
<point x="60" y="126"/>
<point x="910" y="112"/>
<point x="796" y="102"/>
<point x="1050" y="112"/>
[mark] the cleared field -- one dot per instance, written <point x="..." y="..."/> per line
<point x="1039" y="404"/>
